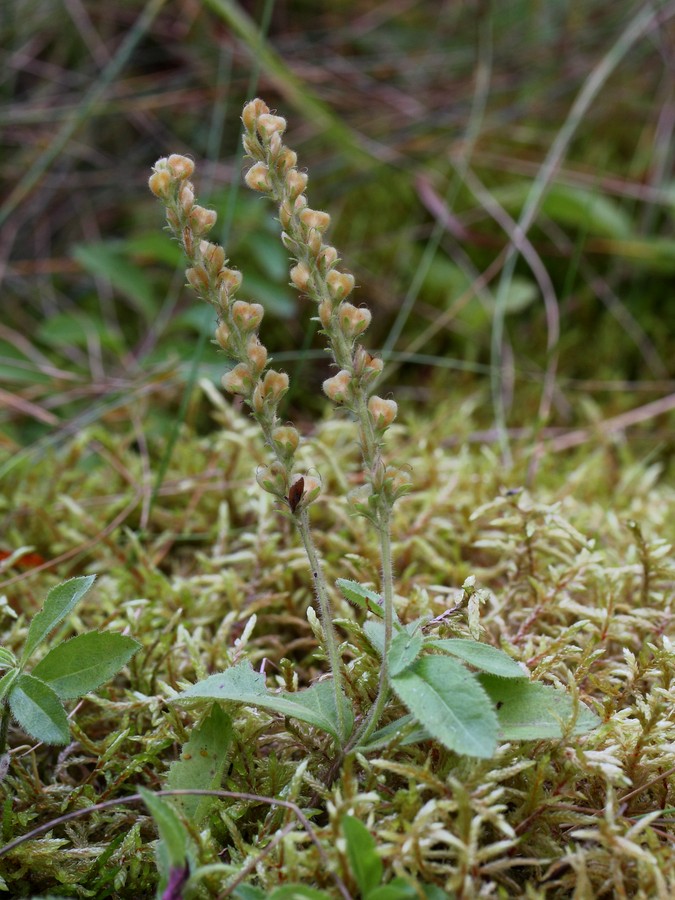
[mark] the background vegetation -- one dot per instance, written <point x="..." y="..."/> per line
<point x="429" y="130"/>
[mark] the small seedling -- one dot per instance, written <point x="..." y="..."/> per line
<point x="69" y="670"/>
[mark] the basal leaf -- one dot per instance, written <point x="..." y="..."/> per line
<point x="84" y="662"/>
<point x="364" y="861"/>
<point x="297" y="892"/>
<point x="530" y="710"/>
<point x="404" y="650"/>
<point x="201" y="764"/>
<point x="38" y="710"/>
<point x="448" y="701"/>
<point x="60" y="601"/>
<point x="242" y="685"/>
<point x="481" y="656"/>
<point x="320" y="698"/>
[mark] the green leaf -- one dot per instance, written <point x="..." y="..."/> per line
<point x="374" y="631"/>
<point x="297" y="892"/>
<point x="201" y="764"/>
<point x="7" y="658"/>
<point x="449" y="702"/>
<point x="109" y="260"/>
<point x="38" y="710"/>
<point x="171" y="830"/>
<point x="320" y="698"/>
<point x="361" y="596"/>
<point x="249" y="892"/>
<point x="481" y="656"/>
<point x="397" y="889"/>
<point x="384" y="736"/>
<point x="84" y="662"/>
<point x="60" y="601"/>
<point x="7" y="681"/>
<point x="242" y="685"/>
<point x="403" y="651"/>
<point x="530" y="710"/>
<point x="364" y="861"/>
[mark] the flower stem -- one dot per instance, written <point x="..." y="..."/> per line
<point x="332" y="648"/>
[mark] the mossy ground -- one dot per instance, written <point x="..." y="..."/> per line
<point x="572" y="553"/>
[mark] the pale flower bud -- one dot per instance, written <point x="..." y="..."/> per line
<point x="287" y="159"/>
<point x="296" y="182"/>
<point x="198" y="279"/>
<point x="186" y="197"/>
<point x="238" y="380"/>
<point x="160" y="184"/>
<point x="267" y="125"/>
<point x="325" y="312"/>
<point x="397" y="482"/>
<point x="272" y="479"/>
<point x="275" y="145"/>
<point x="336" y="388"/>
<point x="274" y="384"/>
<point x="315" y="218"/>
<point x="202" y="220"/>
<point x="366" y="366"/>
<point x="300" y="276"/>
<point x="247" y="316"/>
<point x="284" y="214"/>
<point x="229" y="281"/>
<point x="252" y="146"/>
<point x="256" y="353"/>
<point x="180" y="166"/>
<point x="223" y="336"/>
<point x="340" y="284"/>
<point x="314" y="242"/>
<point x="286" y="439"/>
<point x="252" y="110"/>
<point x="213" y="257"/>
<point x="383" y="411"/>
<point x="353" y="320"/>
<point x="258" y="178"/>
<point x="328" y="256"/>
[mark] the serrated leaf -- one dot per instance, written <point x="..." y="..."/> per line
<point x="38" y="710"/>
<point x="530" y="710"/>
<point x="361" y="596"/>
<point x="171" y="830"/>
<point x="242" y="685"/>
<point x="61" y="600"/>
<point x="374" y="631"/>
<point x="201" y="764"/>
<point x="85" y="662"/>
<point x="365" y="864"/>
<point x="7" y="681"/>
<point x="481" y="656"/>
<point x="448" y="701"/>
<point x="403" y="651"/>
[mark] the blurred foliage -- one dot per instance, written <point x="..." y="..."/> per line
<point x="394" y="109"/>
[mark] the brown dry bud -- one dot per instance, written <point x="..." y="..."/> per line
<point x="285" y="214"/>
<point x="252" y="110"/>
<point x="300" y="276"/>
<point x="258" y="178"/>
<point x="383" y="411"/>
<point x="340" y="284"/>
<point x="337" y="387"/>
<point x="247" y="316"/>
<point x="180" y="166"/>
